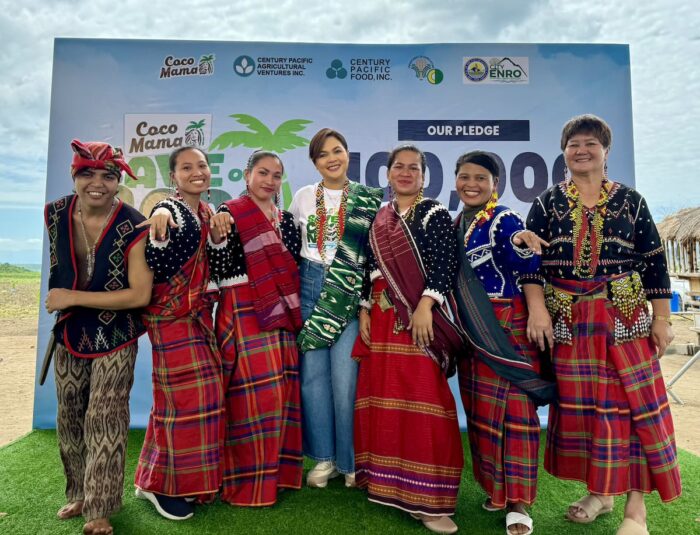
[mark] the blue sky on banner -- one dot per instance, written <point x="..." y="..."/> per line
<point x="664" y="43"/>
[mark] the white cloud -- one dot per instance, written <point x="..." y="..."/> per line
<point x="664" y="40"/>
<point x="11" y="244"/>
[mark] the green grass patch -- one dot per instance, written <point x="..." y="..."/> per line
<point x="19" y="292"/>
<point x="32" y="486"/>
<point x="10" y="271"/>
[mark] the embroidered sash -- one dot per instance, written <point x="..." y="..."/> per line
<point x="340" y="294"/>
<point x="401" y="265"/>
<point x="484" y="332"/>
<point x="273" y="275"/>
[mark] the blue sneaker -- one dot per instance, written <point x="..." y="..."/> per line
<point x="172" y="508"/>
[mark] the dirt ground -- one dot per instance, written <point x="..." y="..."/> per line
<point x="18" y="354"/>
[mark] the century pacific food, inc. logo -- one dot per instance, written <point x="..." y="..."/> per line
<point x="174" y="67"/>
<point x="496" y="70"/>
<point x="425" y="69"/>
<point x="336" y="70"/>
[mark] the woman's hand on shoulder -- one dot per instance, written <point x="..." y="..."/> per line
<point x="221" y="225"/>
<point x="160" y="221"/>
<point x="531" y="240"/>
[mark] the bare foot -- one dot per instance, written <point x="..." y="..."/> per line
<point x="70" y="510"/>
<point x="99" y="526"/>
<point x="518" y="529"/>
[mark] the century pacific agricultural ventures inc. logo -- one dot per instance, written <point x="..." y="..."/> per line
<point x="496" y="70"/>
<point x="244" y="66"/>
<point x="425" y="70"/>
<point x="187" y="66"/>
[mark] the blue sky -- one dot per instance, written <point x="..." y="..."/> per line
<point x="664" y="41"/>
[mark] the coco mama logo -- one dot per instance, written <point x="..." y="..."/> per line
<point x="174" y="67"/>
<point x="425" y="70"/>
<point x="158" y="133"/>
<point x="496" y="70"/>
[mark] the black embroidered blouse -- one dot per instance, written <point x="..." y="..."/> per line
<point x="166" y="257"/>
<point x="630" y="241"/>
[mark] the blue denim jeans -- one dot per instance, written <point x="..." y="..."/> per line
<point x="328" y="379"/>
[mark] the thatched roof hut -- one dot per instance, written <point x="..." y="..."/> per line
<point x="682" y="227"/>
<point x="680" y="233"/>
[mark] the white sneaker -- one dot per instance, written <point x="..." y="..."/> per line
<point x="320" y="474"/>
<point x="350" y="480"/>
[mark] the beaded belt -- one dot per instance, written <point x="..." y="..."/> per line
<point x="624" y="292"/>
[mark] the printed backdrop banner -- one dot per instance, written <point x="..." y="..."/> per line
<point x="232" y="98"/>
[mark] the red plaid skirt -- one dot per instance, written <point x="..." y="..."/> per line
<point x="408" y="448"/>
<point x="611" y="427"/>
<point x="262" y="451"/>
<point x="503" y="426"/>
<point x="181" y="451"/>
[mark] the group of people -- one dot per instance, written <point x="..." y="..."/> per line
<point x="336" y="328"/>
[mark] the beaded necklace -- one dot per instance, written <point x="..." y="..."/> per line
<point x="588" y="228"/>
<point x="322" y="216"/>
<point x="408" y="216"/>
<point x="481" y="217"/>
<point x="90" y="255"/>
<point x="192" y="211"/>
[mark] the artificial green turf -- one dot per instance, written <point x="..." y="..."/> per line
<point x="32" y="483"/>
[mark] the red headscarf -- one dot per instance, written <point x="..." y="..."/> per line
<point x="98" y="155"/>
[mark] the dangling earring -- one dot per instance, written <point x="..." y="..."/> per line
<point x="208" y="195"/>
<point x="277" y="200"/>
<point x="566" y="172"/>
<point x="605" y="171"/>
<point x="494" y="197"/>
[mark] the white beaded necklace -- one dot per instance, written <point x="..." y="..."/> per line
<point x="90" y="257"/>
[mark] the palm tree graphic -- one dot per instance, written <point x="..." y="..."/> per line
<point x="260" y="137"/>
<point x="206" y="64"/>
<point x="194" y="135"/>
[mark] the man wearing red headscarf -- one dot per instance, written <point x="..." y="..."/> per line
<point x="98" y="281"/>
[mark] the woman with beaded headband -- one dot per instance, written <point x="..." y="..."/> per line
<point x="407" y="439"/>
<point x="180" y="460"/>
<point x="255" y="267"/>
<point x="334" y="215"/>
<point x="502" y="419"/>
<point x="611" y="427"/>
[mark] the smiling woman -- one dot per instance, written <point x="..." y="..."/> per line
<point x="187" y="411"/>
<point x="334" y="215"/>
<point x="255" y="267"/>
<point x="605" y="264"/>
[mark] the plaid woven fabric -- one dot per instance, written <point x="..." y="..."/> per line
<point x="408" y="449"/>
<point x="504" y="430"/>
<point x="272" y="272"/>
<point x="262" y="449"/>
<point x="611" y="427"/>
<point x="181" y="453"/>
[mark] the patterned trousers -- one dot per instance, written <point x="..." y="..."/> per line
<point x="92" y="426"/>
